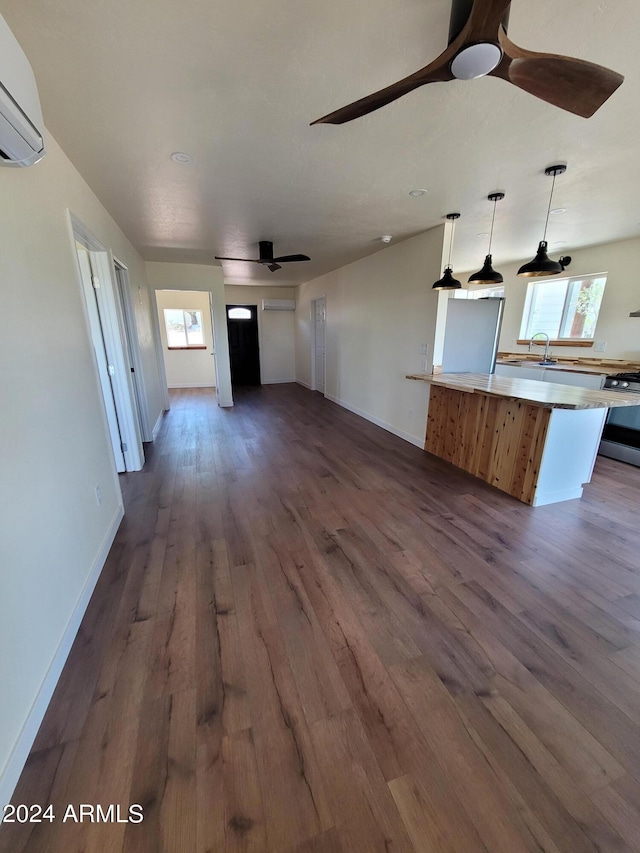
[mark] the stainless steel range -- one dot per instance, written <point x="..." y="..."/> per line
<point x="621" y="435"/>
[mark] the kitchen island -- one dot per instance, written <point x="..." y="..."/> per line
<point x="535" y="440"/>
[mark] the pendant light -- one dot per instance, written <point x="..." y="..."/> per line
<point x="487" y="275"/>
<point x="542" y="265"/>
<point x="448" y="282"/>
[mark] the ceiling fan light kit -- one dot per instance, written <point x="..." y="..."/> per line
<point x="542" y="264"/>
<point x="476" y="60"/>
<point x="487" y="275"/>
<point x="448" y="282"/>
<point x="479" y="46"/>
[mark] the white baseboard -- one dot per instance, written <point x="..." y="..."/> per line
<point x="278" y="381"/>
<point x="305" y="384"/>
<point x="16" y="761"/>
<point x="156" y="428"/>
<point x="545" y="498"/>
<point x="412" y="439"/>
<point x="193" y="385"/>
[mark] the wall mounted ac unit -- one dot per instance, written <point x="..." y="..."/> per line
<point x="21" y="142"/>
<point x="278" y="304"/>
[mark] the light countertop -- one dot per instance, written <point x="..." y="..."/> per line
<point x="550" y="395"/>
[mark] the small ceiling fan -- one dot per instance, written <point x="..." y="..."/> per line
<point x="479" y="46"/>
<point x="266" y="257"/>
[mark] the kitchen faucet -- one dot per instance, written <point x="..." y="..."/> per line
<point x="547" y="353"/>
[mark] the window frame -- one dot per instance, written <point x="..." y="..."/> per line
<point x="187" y="345"/>
<point x="530" y="303"/>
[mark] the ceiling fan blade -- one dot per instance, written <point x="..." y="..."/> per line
<point x="273" y="267"/>
<point x="289" y="259"/>
<point x="379" y="99"/>
<point x="244" y="260"/>
<point x="574" y="85"/>
<point x="436" y="72"/>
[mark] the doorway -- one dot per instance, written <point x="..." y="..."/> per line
<point x="186" y="335"/>
<point x="244" y="348"/>
<point x="318" y="341"/>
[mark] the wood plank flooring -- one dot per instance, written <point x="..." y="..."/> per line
<point x="312" y="637"/>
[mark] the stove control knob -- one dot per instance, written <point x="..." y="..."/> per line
<point x="624" y="384"/>
<point x="614" y="383"/>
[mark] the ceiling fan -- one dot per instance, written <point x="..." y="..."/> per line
<point x="266" y="257"/>
<point x="479" y="46"/>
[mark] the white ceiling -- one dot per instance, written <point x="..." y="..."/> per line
<point x="235" y="83"/>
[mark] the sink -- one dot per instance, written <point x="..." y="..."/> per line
<point x="548" y="363"/>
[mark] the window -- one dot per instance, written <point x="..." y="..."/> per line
<point x="565" y="309"/>
<point x="238" y="313"/>
<point x="184" y="329"/>
<point x="480" y="293"/>
<point x="486" y="292"/>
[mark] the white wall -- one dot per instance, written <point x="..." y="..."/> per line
<point x="54" y="445"/>
<point x="379" y="311"/>
<point x="276" y="330"/>
<point x="163" y="276"/>
<point x="187" y="368"/>
<point x="621" y="333"/>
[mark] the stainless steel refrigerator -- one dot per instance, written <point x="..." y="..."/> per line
<point x="472" y="333"/>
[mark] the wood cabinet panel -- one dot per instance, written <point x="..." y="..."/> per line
<point x="496" y="439"/>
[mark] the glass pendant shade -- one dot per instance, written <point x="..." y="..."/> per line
<point x="447" y="282"/>
<point x="541" y="265"/>
<point x="487" y="275"/>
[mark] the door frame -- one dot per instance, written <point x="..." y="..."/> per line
<point x="113" y="334"/>
<point x="313" y="345"/>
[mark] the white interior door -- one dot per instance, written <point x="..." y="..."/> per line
<point x="320" y="321"/>
<point x="131" y="350"/>
<point x="105" y="370"/>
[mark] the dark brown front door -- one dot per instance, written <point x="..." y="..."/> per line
<point x="244" y="352"/>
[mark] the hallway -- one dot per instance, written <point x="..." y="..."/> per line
<point x="311" y="637"/>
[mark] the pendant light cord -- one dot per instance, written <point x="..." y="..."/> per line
<point x="453" y="225"/>
<point x="493" y="219"/>
<point x="546" y="224"/>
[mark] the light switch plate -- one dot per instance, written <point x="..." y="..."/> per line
<point x="600" y="346"/>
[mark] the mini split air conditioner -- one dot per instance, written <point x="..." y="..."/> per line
<point x="278" y="304"/>
<point x="21" y="142"/>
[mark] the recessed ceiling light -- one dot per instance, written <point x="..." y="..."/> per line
<point x="560" y="243"/>
<point x="418" y="193"/>
<point x="483" y="234"/>
<point x="181" y="157"/>
<point x="387" y="238"/>
<point x="559" y="210"/>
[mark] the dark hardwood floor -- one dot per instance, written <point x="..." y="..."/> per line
<point x="311" y="637"/>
